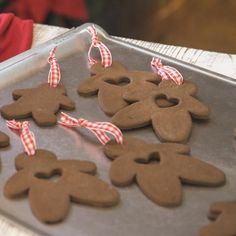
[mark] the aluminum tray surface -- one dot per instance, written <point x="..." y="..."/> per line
<point x="211" y="141"/>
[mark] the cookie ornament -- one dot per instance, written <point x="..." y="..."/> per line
<point x="111" y="80"/>
<point x="4" y="139"/>
<point x="49" y="197"/>
<point x="170" y="123"/>
<point x="223" y="215"/>
<point x="159" y="169"/>
<point x="43" y="102"/>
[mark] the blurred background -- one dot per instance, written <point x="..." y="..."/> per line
<point x="205" y="24"/>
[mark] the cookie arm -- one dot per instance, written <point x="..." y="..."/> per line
<point x="66" y="103"/>
<point x="17" y="185"/>
<point x="197" y="172"/>
<point x="89" y="87"/>
<point x="197" y="108"/>
<point x="16" y="110"/>
<point x="220" y="207"/>
<point x="20" y="92"/>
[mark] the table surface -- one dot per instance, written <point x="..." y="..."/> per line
<point x="218" y="62"/>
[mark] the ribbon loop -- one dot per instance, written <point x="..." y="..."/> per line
<point x="104" y="51"/>
<point x="54" y="75"/>
<point x="99" y="129"/>
<point x="166" y="72"/>
<point x="27" y="136"/>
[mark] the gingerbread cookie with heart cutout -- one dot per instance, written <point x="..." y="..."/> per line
<point x="161" y="181"/>
<point x="50" y="200"/>
<point x="171" y="123"/>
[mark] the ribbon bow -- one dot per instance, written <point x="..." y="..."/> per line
<point x="99" y="129"/>
<point x="104" y="51"/>
<point x="27" y="136"/>
<point x="54" y="74"/>
<point x="166" y="72"/>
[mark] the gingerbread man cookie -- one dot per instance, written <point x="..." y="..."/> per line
<point x="41" y="103"/>
<point x="50" y="199"/>
<point x="224" y="216"/>
<point x="172" y="123"/>
<point x="161" y="181"/>
<point x="112" y="82"/>
<point x="4" y="139"/>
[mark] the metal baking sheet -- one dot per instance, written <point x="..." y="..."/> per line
<point x="210" y="141"/>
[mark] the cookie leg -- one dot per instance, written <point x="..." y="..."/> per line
<point x="90" y="190"/>
<point x="48" y="203"/>
<point x="162" y="187"/>
<point x="172" y="125"/>
<point x="110" y="99"/>
<point x="44" y="118"/>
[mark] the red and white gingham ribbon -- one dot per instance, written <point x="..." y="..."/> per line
<point x="166" y="72"/>
<point x="104" y="51"/>
<point x="54" y="74"/>
<point x="27" y="136"/>
<point x="99" y="129"/>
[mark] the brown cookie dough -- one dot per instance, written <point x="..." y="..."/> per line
<point x="50" y="199"/>
<point x="41" y="103"/>
<point x="224" y="216"/>
<point x="159" y="169"/>
<point x="112" y="82"/>
<point x="172" y="123"/>
<point x="4" y="140"/>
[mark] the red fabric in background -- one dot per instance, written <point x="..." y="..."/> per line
<point x="38" y="10"/>
<point x="15" y="35"/>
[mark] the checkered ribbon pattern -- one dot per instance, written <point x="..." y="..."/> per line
<point x="99" y="129"/>
<point x="104" y="51"/>
<point x="54" y="74"/>
<point x="27" y="136"/>
<point x="166" y="72"/>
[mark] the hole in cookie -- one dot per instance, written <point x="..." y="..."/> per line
<point x="54" y="176"/>
<point x="121" y="82"/>
<point x="163" y="102"/>
<point x="154" y="159"/>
